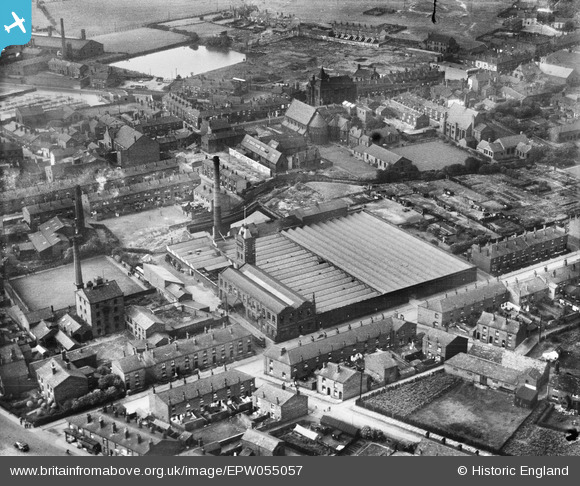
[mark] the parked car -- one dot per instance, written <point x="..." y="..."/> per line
<point x="22" y="446"/>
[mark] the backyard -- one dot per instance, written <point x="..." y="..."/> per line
<point x="485" y="416"/>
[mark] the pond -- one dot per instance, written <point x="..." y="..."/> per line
<point x="183" y="61"/>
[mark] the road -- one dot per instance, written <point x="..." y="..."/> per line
<point x="41" y="443"/>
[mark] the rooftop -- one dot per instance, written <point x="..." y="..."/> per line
<point x="376" y="253"/>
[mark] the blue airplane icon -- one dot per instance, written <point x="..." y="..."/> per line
<point x="16" y="18"/>
<point x="17" y="23"/>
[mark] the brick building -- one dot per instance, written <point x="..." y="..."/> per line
<point x="520" y="251"/>
<point x="60" y="381"/>
<point x="500" y="331"/>
<point x="340" y="382"/>
<point x="303" y="360"/>
<point x="441" y="346"/>
<point x="14" y="377"/>
<point x="325" y="89"/>
<point x="101" y="304"/>
<point x="133" y="147"/>
<point x="499" y="368"/>
<point x="183" y="357"/>
<point x="279" y="403"/>
<point x="462" y="305"/>
<point x="307" y="121"/>
<point x="182" y="402"/>
<point x="110" y="434"/>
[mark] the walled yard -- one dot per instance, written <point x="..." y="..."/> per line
<point x="148" y="229"/>
<point x="485" y="416"/>
<point x="110" y="348"/>
<point x="139" y="40"/>
<point x="37" y="290"/>
<point x="343" y="159"/>
<point x="405" y="399"/>
<point x="286" y="200"/>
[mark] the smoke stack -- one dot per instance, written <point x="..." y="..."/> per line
<point x="79" y="213"/>
<point x="83" y="34"/>
<point x="77" y="263"/>
<point x="217" y="209"/>
<point x="63" y="38"/>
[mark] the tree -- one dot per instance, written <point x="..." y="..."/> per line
<point x="472" y="165"/>
<point x="569" y="26"/>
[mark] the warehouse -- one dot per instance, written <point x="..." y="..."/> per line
<point x="344" y="268"/>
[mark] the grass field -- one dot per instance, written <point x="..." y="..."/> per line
<point x="487" y="416"/>
<point x="432" y="155"/>
<point x="40" y="290"/>
<point x="468" y="18"/>
<point x="139" y="40"/>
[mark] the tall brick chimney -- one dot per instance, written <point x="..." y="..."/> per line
<point x="63" y="38"/>
<point x="217" y="208"/>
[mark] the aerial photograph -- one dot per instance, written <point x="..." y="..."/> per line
<point x="290" y="228"/>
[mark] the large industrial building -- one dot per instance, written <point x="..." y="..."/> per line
<point x="341" y="268"/>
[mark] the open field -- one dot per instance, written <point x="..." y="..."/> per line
<point x="432" y="155"/>
<point x="147" y="229"/>
<point x="38" y="290"/>
<point x="486" y="416"/>
<point x="453" y="16"/>
<point x="139" y="40"/>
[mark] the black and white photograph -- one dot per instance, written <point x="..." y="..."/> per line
<point x="291" y="228"/>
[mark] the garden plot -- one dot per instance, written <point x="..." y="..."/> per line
<point x="485" y="416"/>
<point x="411" y="396"/>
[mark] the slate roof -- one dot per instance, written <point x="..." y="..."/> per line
<point x="509" y="359"/>
<point x="460" y="298"/>
<point x="261" y="439"/>
<point x="338" y="373"/>
<point x="127" y="137"/>
<point x="464" y="117"/>
<point x="105" y="291"/>
<point x="142" y="316"/>
<point x="203" y="386"/>
<point x="273" y="394"/>
<point x="333" y="342"/>
<point x="383" y="154"/>
<point x="264" y="288"/>
<point x="498" y="322"/>
<point x="62" y="374"/>
<point x="300" y="112"/>
<point x="442" y="337"/>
